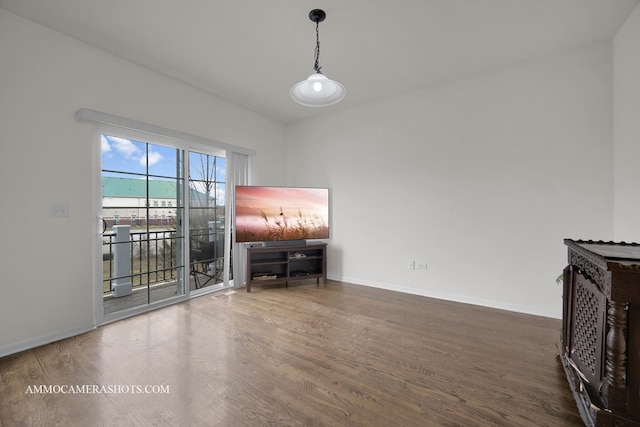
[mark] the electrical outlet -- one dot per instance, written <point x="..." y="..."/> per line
<point x="411" y="265"/>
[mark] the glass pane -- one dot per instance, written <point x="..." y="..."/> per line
<point x="164" y="161"/>
<point x="123" y="155"/>
<point x="142" y="211"/>
<point x="206" y="219"/>
<point x="221" y="170"/>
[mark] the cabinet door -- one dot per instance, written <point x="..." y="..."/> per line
<point x="586" y="345"/>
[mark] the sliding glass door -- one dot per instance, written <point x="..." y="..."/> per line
<point x="163" y="223"/>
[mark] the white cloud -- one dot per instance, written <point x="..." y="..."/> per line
<point x="106" y="147"/>
<point x="125" y="147"/>
<point x="154" y="157"/>
<point x="220" y="196"/>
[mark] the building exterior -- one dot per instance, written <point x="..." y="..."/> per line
<point x="138" y="202"/>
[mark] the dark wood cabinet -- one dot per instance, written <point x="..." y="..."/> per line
<point x="600" y="341"/>
<point x="282" y="264"/>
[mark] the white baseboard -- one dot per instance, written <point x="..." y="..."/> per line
<point x="500" y="305"/>
<point x="13" y="348"/>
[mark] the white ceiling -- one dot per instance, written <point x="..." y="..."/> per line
<point x="252" y="51"/>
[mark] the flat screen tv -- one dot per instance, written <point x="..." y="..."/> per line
<point x="269" y="214"/>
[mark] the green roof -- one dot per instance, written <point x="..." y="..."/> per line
<point x="132" y="187"/>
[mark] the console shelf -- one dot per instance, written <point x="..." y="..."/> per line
<point x="282" y="264"/>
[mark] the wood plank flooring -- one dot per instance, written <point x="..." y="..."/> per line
<point x="330" y="355"/>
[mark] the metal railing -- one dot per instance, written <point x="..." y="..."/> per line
<point x="154" y="256"/>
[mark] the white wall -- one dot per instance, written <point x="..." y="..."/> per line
<point x="626" y="119"/>
<point x="480" y="178"/>
<point x="45" y="263"/>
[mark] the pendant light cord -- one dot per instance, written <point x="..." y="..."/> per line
<point x="317" y="66"/>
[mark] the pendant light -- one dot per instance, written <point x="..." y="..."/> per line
<point x="317" y="90"/>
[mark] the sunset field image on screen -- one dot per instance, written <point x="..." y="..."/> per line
<point x="281" y="213"/>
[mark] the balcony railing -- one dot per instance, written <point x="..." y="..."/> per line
<point x="154" y="256"/>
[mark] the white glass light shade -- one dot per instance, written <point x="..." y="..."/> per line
<point x="318" y="91"/>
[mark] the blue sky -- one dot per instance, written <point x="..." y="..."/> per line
<point x="126" y="155"/>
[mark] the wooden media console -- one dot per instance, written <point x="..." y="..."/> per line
<point x="282" y="264"/>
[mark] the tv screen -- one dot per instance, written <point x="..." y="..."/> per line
<point x="266" y="214"/>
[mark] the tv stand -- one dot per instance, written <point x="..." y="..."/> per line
<point x="282" y="264"/>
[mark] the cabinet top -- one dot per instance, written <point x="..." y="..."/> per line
<point x="622" y="252"/>
<point x="613" y="266"/>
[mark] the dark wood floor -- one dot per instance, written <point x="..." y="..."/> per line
<point x="332" y="355"/>
<point x="142" y="296"/>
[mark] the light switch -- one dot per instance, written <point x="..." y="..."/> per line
<point x="58" y="210"/>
